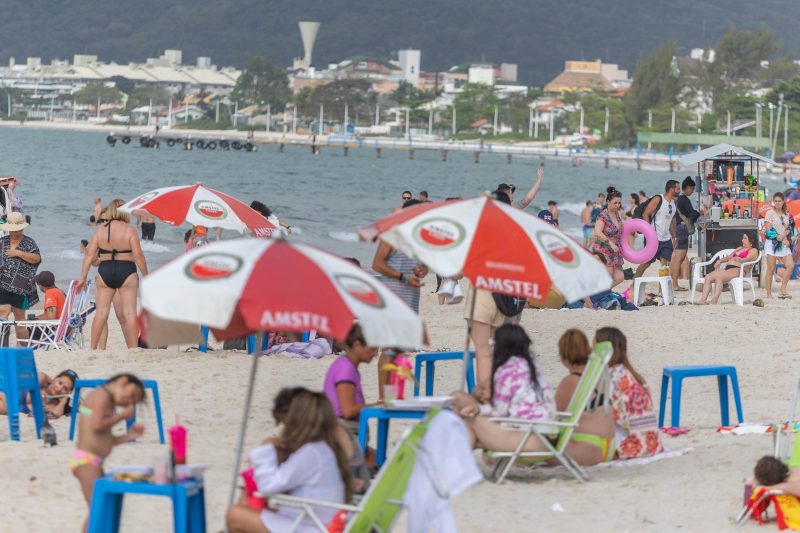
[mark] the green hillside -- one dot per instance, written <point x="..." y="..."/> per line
<point x="537" y="34"/>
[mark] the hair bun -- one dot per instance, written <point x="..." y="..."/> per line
<point x="611" y="189"/>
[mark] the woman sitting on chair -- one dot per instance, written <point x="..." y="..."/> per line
<point x="729" y="267"/>
<point x="306" y="460"/>
<point x="518" y="390"/>
<point x="593" y="439"/>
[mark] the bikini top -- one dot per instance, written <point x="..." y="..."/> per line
<point x="743" y="254"/>
<point x="113" y="252"/>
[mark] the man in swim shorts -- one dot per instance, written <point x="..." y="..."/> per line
<point x="586" y="220"/>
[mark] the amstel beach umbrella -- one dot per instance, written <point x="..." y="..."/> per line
<point x="498" y="247"/>
<point x="200" y="206"/>
<point x="242" y="286"/>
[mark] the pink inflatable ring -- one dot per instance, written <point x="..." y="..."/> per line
<point x="637" y="225"/>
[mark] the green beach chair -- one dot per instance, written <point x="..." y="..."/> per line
<point x="378" y="508"/>
<point x="563" y="427"/>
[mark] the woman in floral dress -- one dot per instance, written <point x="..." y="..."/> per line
<point x="608" y="236"/>
<point x="631" y="402"/>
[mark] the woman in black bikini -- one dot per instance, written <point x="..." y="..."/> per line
<point x="116" y="244"/>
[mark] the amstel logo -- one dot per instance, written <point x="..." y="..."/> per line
<point x="439" y="233"/>
<point x="361" y="290"/>
<point x="213" y="266"/>
<point x="210" y="210"/>
<point x="558" y="248"/>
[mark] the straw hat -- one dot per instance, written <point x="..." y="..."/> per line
<point x="14" y="222"/>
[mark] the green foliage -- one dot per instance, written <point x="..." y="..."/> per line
<point x="262" y="83"/>
<point x="123" y="84"/>
<point x="141" y="96"/>
<point x="594" y="117"/>
<point x="334" y="96"/>
<point x="475" y="101"/>
<point x="98" y="91"/>
<point x="656" y="82"/>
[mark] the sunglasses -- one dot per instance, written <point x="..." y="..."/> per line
<point x="406" y="198"/>
<point x="670" y="209"/>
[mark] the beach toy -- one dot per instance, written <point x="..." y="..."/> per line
<point x="177" y="442"/>
<point x="554" y="300"/>
<point x="637" y="225"/>
<point x="399" y="371"/>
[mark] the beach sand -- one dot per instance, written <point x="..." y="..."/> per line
<point x="699" y="491"/>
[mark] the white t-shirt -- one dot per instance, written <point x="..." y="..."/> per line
<point x="663" y="219"/>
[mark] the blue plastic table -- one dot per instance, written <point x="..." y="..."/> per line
<point x="679" y="373"/>
<point x="383" y="415"/>
<point x="430" y="359"/>
<point x="188" y="504"/>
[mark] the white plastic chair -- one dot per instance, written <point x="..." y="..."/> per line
<point x="736" y="284"/>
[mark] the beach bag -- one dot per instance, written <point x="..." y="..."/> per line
<point x="509" y="305"/>
<point x="639" y="211"/>
<point x="235" y="344"/>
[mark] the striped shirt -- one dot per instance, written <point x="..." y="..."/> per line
<point x="404" y="264"/>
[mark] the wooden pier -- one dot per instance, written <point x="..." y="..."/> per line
<point x="177" y="139"/>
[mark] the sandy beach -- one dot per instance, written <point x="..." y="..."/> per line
<point x="699" y="491"/>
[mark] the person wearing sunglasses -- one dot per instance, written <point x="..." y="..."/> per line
<point x="56" y="393"/>
<point x="660" y="213"/>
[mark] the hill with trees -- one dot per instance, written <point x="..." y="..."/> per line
<point x="538" y="36"/>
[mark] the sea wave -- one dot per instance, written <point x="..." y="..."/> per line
<point x="155" y="248"/>
<point x="66" y="254"/>
<point x="345" y="236"/>
<point x="572" y="207"/>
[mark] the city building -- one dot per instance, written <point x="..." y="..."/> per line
<point x="588" y="76"/>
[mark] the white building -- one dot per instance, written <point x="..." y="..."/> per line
<point x="481" y="74"/>
<point x="409" y="62"/>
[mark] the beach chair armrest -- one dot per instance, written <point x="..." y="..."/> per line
<point x="525" y="422"/>
<point x="32" y="323"/>
<point x="293" y="501"/>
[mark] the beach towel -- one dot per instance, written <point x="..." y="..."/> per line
<point x="445" y="467"/>
<point x="787" y="509"/>
<point x="315" y="349"/>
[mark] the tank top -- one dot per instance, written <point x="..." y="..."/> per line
<point x="663" y="219"/>
<point x="402" y="263"/>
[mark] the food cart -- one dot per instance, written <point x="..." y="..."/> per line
<point x="729" y="188"/>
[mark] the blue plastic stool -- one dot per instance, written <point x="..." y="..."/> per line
<point x="18" y="378"/>
<point x="203" y="347"/>
<point x="188" y="504"/>
<point x="383" y="415"/>
<point x="430" y="360"/>
<point x="251" y="343"/>
<point x="678" y="373"/>
<point x="94" y="383"/>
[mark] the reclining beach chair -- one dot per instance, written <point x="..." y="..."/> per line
<point x="77" y="319"/>
<point x="759" y="508"/>
<point x="593" y="380"/>
<point x="52" y="333"/>
<point x="378" y="508"/>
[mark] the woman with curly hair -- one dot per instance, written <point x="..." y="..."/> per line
<point x="631" y="402"/>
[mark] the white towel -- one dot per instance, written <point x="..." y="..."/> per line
<point x="446" y="459"/>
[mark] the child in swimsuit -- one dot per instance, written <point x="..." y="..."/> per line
<point x="95" y="422"/>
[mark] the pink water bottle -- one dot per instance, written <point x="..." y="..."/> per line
<point x="177" y="442"/>
<point x="397" y="380"/>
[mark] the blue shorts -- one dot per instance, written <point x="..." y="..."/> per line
<point x="664" y="252"/>
<point x="587" y="231"/>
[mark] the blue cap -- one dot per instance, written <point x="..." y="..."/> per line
<point x="546" y="215"/>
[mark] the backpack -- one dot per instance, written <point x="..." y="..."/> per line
<point x="639" y="211"/>
<point x="509" y="305"/>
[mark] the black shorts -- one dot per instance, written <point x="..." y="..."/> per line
<point x="664" y="251"/>
<point x="682" y="236"/>
<point x="148" y="231"/>
<point x="17" y="301"/>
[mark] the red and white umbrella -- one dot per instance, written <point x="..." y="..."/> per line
<point x="242" y="286"/>
<point x="201" y="206"/>
<point x="498" y="247"/>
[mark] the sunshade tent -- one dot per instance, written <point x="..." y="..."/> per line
<point x="200" y="206"/>
<point x="242" y="286"/>
<point x="498" y="247"/>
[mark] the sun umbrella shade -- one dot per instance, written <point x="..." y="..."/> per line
<point x="200" y="206"/>
<point x="498" y="247"/>
<point x="242" y="286"/>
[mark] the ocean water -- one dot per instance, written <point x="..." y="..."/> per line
<point x="325" y="198"/>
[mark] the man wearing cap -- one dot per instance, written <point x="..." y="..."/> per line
<point x="547" y="216"/>
<point x="509" y="191"/>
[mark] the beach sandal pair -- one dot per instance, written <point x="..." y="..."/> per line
<point x="786" y="296"/>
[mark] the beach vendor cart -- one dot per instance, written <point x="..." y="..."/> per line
<point x="730" y="190"/>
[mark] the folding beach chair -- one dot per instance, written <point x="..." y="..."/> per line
<point x="51" y="333"/>
<point x="77" y="319"/>
<point x="594" y="377"/>
<point x="378" y="508"/>
<point x="758" y="508"/>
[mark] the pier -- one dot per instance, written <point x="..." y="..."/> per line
<point x="315" y="145"/>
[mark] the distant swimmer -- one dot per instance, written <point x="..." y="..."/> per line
<point x="552" y="206"/>
<point x="586" y="220"/>
<point x="147" y="223"/>
<point x="509" y="191"/>
<point x="267" y="213"/>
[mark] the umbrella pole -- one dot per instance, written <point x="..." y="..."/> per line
<point x="243" y="426"/>
<point x="465" y="364"/>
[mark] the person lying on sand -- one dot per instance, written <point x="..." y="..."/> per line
<point x="56" y="394"/>
<point x="518" y="390"/>
<point x="305" y="460"/>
